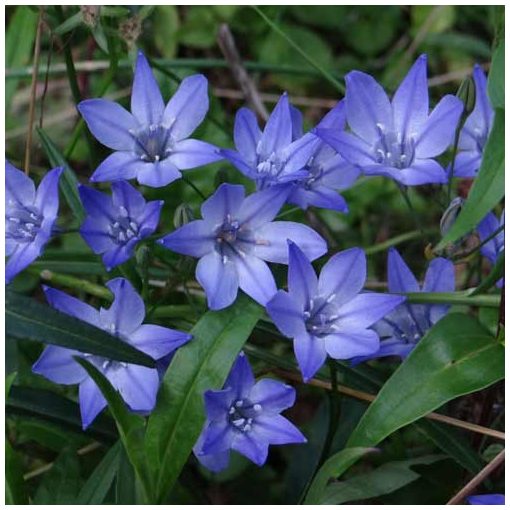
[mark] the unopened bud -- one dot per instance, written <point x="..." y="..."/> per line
<point x="467" y="94"/>
<point x="183" y="214"/>
<point x="90" y="14"/>
<point x="450" y="215"/>
<point x="130" y="30"/>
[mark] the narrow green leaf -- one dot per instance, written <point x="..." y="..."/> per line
<point x="26" y="318"/>
<point x="457" y="356"/>
<point x="125" y="483"/>
<point x="69" y="24"/>
<point x="8" y="382"/>
<point x="19" y="41"/>
<point x="334" y="467"/>
<point x="383" y="480"/>
<point x="488" y="188"/>
<point x="97" y="486"/>
<point x="202" y="364"/>
<point x="68" y="181"/>
<point x="15" y="492"/>
<point x="496" y="81"/>
<point x="130" y="426"/>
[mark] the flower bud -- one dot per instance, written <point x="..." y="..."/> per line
<point x="90" y="14"/>
<point x="450" y="215"/>
<point x="183" y="214"/>
<point x="467" y="94"/>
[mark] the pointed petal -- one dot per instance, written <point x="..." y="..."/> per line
<point x="149" y="218"/>
<point x="278" y="130"/>
<point x="367" y="106"/>
<point x="195" y="238"/>
<point x="226" y="200"/>
<point x="98" y="205"/>
<point x="467" y="163"/>
<point x="298" y="153"/>
<point x="318" y="196"/>
<point x="218" y="437"/>
<point x="219" y="280"/>
<point x="110" y="123"/>
<point x="193" y="153"/>
<point x="118" y="254"/>
<point x="440" y="276"/>
<point x="71" y="306"/>
<point x="157" y="341"/>
<point x="302" y="279"/>
<point x="46" y="199"/>
<point x="411" y="100"/>
<point x="273" y="396"/>
<point x="251" y="447"/>
<point x="262" y="206"/>
<point x="438" y="132"/>
<point x="92" y="402"/>
<point x="255" y="278"/>
<point x="217" y="403"/>
<point x="117" y="166"/>
<point x="239" y="162"/>
<point x="158" y="174"/>
<point x="336" y="117"/>
<point x="126" y="196"/>
<point x="350" y="147"/>
<point x="187" y="107"/>
<point x="310" y="353"/>
<point x="58" y="365"/>
<point x="391" y="172"/>
<point x="343" y="276"/>
<point x="423" y="171"/>
<point x="240" y="379"/>
<point x="96" y="236"/>
<point x="277" y="430"/>
<point x="297" y="122"/>
<point x="21" y="258"/>
<point x="287" y="314"/>
<point x="146" y="101"/>
<point x="18" y="186"/>
<point x="348" y="344"/>
<point x="247" y="134"/>
<point x="271" y="241"/>
<point x="400" y="277"/>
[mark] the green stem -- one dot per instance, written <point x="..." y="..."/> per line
<point x="454" y="298"/>
<point x="478" y="246"/>
<point x="191" y="185"/>
<point x="394" y="241"/>
<point x="288" y="212"/>
<point x="452" y="164"/>
<point x="407" y="200"/>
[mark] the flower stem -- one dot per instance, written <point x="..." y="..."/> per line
<point x="191" y="185"/>
<point x="407" y="200"/>
<point x="393" y="241"/>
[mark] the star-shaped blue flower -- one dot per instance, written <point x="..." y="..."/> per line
<point x="30" y="216"/>
<point x="403" y="328"/>
<point x="397" y="138"/>
<point x="116" y="223"/>
<point x="236" y="237"/>
<point x="245" y="416"/>
<point x="475" y="131"/>
<point x="486" y="499"/>
<point x="138" y="385"/>
<point x="329" y="315"/>
<point x="273" y="156"/>
<point x="151" y="142"/>
<point x="493" y="248"/>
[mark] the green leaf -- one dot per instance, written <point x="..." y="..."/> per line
<point x="68" y="181"/>
<point x="53" y="408"/>
<point x="97" y="486"/>
<point x="334" y="467"/>
<point x="61" y="483"/>
<point x="19" y="41"/>
<point x="496" y="82"/>
<point x="130" y="426"/>
<point x="125" y="483"/>
<point x="202" y="364"/>
<point x="8" y="382"/>
<point x="488" y="188"/>
<point x="15" y="492"/>
<point x="26" y="318"/>
<point x="457" y="356"/>
<point x="383" y="480"/>
<point x="166" y="25"/>
<point x="69" y="24"/>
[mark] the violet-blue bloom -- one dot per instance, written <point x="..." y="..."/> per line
<point x="486" y="499"/>
<point x="138" y="385"/>
<point x="116" y="223"/>
<point x="403" y="328"/>
<point x="475" y="131"/>
<point x="245" y="416"/>
<point x="30" y="216"/>
<point x="396" y="139"/>
<point x="493" y="248"/>
<point x="271" y="156"/>
<point x="329" y="315"/>
<point x="151" y="142"/>
<point x="328" y="172"/>
<point x="234" y="240"/>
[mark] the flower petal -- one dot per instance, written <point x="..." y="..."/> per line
<point x="298" y="153"/>
<point x="149" y="219"/>
<point x="277" y="430"/>
<point x="277" y="133"/>
<point x="335" y="118"/>
<point x="226" y="200"/>
<point x="273" y="396"/>
<point x="297" y="122"/>
<point x="110" y="123"/>
<point x="21" y="258"/>
<point x="387" y="348"/>
<point x="287" y="314"/>
<point x="219" y="280"/>
<point x="240" y="378"/>
<point x="187" y="107"/>
<point x="146" y="101"/>
<point x="195" y="238"/>
<point x="350" y="147"/>
<point x="239" y="162"/>
<point x="343" y="276"/>
<point x="98" y="205"/>
<point x="367" y="106"/>
<point x="251" y="447"/>
<point x="467" y="163"/>
<point x="400" y="277"/>
<point x="157" y="341"/>
<point x="118" y="254"/>
<point x="192" y="153"/>
<point x="126" y="196"/>
<point x="18" y="186"/>
<point x="349" y="344"/>
<point x="438" y="132"/>
<point x="262" y="206"/>
<point x="255" y="278"/>
<point x="247" y="134"/>
<point x="158" y="174"/>
<point x="411" y="100"/>
<point x="92" y="402"/>
<point x="117" y="166"/>
<point x="217" y="403"/>
<point x="71" y="306"/>
<point x="218" y="437"/>
<point x="302" y="279"/>
<point x="423" y="171"/>
<point x="271" y="241"/>
<point x="310" y="353"/>
<point x="58" y="365"/>
<point x="46" y="198"/>
<point x="440" y="276"/>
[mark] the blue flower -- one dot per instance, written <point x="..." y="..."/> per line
<point x="328" y="315"/>
<point x="397" y="139"/>
<point x="235" y="238"/>
<point x="487" y="499"/>
<point x="138" y="385"/>
<point x="115" y="224"/>
<point x="151" y="142"/>
<point x="475" y="131"/>
<point x="328" y="172"/>
<point x="403" y="328"/>
<point x="29" y="217"/>
<point x="270" y="157"/>
<point x="493" y="248"/>
<point x="245" y="416"/>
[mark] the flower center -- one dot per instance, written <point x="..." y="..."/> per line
<point x="153" y="143"/>
<point x="242" y="413"/>
<point x="232" y="238"/>
<point x="123" y="228"/>
<point x="22" y="223"/>
<point x="390" y="151"/>
<point x="320" y="316"/>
